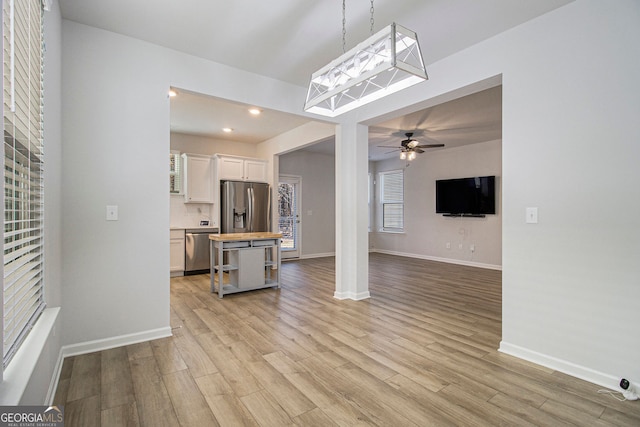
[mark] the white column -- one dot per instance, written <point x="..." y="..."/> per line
<point x="352" y="236"/>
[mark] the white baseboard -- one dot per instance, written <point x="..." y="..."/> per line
<point x="438" y="259"/>
<point x="55" y="379"/>
<point x="309" y="256"/>
<point x="352" y="295"/>
<point x="113" y="342"/>
<point x="569" y="368"/>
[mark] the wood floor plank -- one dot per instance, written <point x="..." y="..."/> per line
<point x="139" y="351"/>
<point x="265" y="410"/>
<point x="167" y="355"/>
<point x="194" y="356"/>
<point x="314" y="418"/>
<point x="231" y="368"/>
<point x="190" y="406"/>
<point x="120" y="416"/>
<point x="85" y="377"/>
<point x="116" y="382"/>
<point x="283" y="391"/>
<point x="153" y="402"/>
<point x="83" y="412"/>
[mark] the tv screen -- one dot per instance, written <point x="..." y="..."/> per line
<point x="466" y="196"/>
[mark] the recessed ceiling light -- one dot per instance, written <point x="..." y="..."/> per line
<point x="255" y="111"/>
<point x="172" y="93"/>
<point x="227" y="130"/>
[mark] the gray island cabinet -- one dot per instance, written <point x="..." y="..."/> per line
<point x="248" y="258"/>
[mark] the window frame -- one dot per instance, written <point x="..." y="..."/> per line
<point x="391" y="198"/>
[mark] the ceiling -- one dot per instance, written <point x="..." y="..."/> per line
<point x="288" y="40"/>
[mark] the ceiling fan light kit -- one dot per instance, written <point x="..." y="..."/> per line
<point x="388" y="61"/>
<point x="409" y="148"/>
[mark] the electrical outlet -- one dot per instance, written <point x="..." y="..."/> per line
<point x="112" y="212"/>
<point x="448" y="245"/>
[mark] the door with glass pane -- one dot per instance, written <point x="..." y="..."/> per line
<point x="289" y="215"/>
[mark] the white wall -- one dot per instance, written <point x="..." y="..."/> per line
<point x="570" y="132"/>
<point x="571" y="149"/>
<point x="198" y="144"/>
<point x="427" y="233"/>
<point x="317" y="171"/>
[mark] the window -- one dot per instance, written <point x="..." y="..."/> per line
<point x="175" y="173"/>
<point x="23" y="298"/>
<point x="392" y="200"/>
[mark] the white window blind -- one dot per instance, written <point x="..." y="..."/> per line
<point x="23" y="298"/>
<point x="392" y="200"/>
<point x="175" y="173"/>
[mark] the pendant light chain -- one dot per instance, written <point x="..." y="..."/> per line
<point x="371" y="10"/>
<point x="344" y="26"/>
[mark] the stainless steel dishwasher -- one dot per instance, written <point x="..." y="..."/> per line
<point x="196" y="250"/>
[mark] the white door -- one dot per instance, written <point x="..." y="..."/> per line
<point x="289" y="215"/>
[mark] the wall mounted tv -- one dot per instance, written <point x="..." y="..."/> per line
<point x="475" y="196"/>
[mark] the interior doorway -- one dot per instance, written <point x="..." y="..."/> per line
<point x="289" y="215"/>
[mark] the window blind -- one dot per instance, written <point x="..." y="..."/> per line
<point x="392" y="199"/>
<point x="23" y="298"/>
<point x="175" y="173"/>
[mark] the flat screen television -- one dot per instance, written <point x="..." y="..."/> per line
<point x="473" y="196"/>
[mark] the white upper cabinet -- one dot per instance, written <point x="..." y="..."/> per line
<point x="241" y="169"/>
<point x="255" y="170"/>
<point x="198" y="178"/>
<point x="230" y="168"/>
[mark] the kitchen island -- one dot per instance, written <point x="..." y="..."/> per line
<point x="248" y="258"/>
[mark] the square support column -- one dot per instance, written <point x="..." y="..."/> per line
<point x="352" y="216"/>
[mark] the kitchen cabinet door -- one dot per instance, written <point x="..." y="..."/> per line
<point x="176" y="252"/>
<point x="255" y="170"/>
<point x="231" y="168"/>
<point x="198" y="174"/>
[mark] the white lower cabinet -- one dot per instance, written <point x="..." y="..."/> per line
<point x="176" y="252"/>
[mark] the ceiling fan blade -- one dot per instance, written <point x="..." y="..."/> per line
<point x="389" y="146"/>
<point x="429" y="146"/>
<point x="417" y="150"/>
<point x="391" y="151"/>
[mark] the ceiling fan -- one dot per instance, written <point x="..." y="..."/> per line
<point x="409" y="147"/>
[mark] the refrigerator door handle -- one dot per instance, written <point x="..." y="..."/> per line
<point x="250" y="203"/>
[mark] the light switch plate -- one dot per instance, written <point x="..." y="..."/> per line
<point x="532" y="216"/>
<point x="112" y="212"/>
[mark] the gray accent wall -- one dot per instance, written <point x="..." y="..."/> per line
<point x="318" y="207"/>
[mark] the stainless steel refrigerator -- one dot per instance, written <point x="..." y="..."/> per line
<point x="245" y="207"/>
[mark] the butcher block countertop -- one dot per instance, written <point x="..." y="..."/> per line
<point x="230" y="237"/>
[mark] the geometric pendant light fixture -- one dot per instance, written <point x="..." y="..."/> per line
<point x="386" y="62"/>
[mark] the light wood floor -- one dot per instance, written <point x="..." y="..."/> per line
<point x="421" y="351"/>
